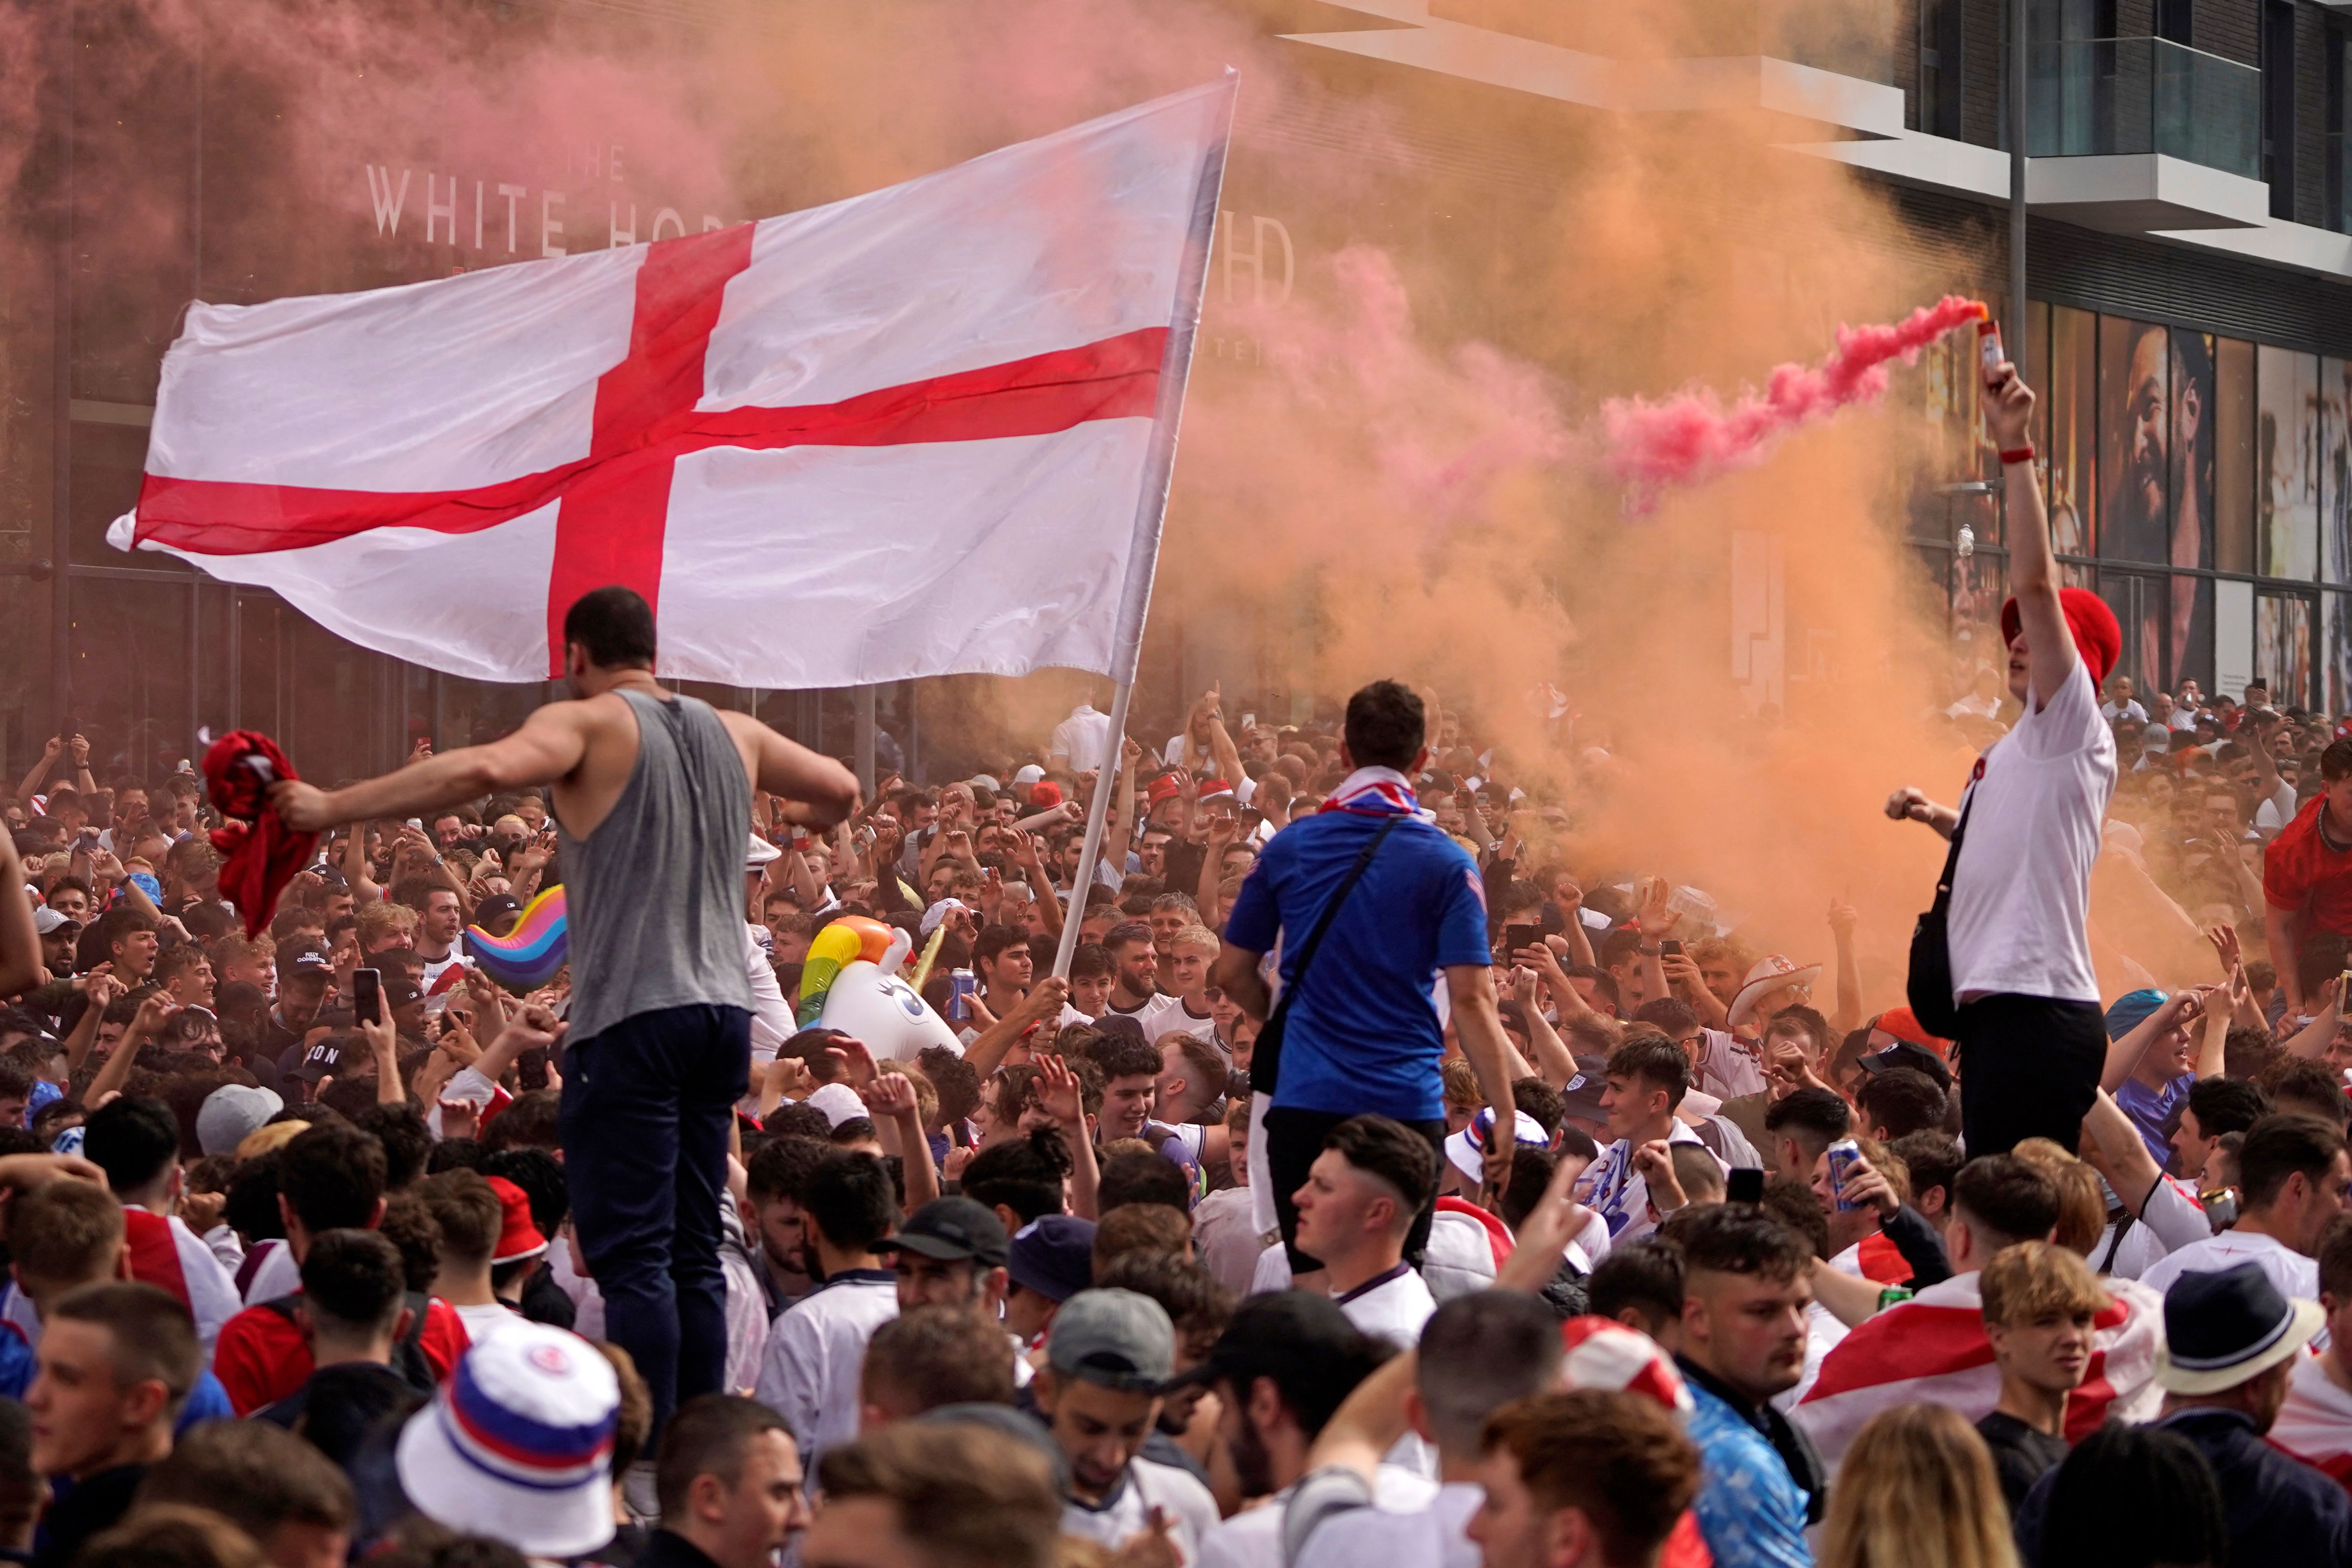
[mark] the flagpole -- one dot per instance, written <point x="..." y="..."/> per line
<point x="1151" y="510"/>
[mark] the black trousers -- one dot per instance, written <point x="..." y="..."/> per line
<point x="1293" y="1138"/>
<point x="2028" y="1069"/>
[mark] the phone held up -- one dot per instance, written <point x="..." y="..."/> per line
<point x="367" y="996"/>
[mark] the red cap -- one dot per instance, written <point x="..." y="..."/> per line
<point x="1904" y="1025"/>
<point x="1165" y="787"/>
<point x="1043" y="794"/>
<point x="518" y="1238"/>
<point x="2097" y="636"/>
<point x="1216" y="789"/>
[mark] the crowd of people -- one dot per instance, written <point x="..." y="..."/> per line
<point x="1379" y="1183"/>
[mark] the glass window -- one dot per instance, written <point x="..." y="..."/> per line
<point x="2283" y="646"/>
<point x="2286" y="480"/>
<point x="2134" y="385"/>
<point x="2068" y="454"/>
<point x="2336" y="631"/>
<point x="2334" y="465"/>
<point x="2233" y="455"/>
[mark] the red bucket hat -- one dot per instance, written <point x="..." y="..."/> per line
<point x="2097" y="636"/>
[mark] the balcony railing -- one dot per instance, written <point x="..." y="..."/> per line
<point x="2093" y="96"/>
<point x="2339" y="182"/>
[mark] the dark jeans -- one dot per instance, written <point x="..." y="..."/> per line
<point x="647" y="1107"/>
<point x="1293" y="1138"/>
<point x="2028" y="1067"/>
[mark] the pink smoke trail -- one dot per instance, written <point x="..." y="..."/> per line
<point x="1691" y="437"/>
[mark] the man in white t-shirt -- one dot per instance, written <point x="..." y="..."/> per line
<point x="1358" y="1204"/>
<point x="1081" y="742"/>
<point x="1107" y="1356"/>
<point x="1135" y="989"/>
<point x="2120" y="703"/>
<point x="2292" y="1173"/>
<point x="2030" y="1033"/>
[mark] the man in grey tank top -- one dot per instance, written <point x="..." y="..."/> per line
<point x="652" y="796"/>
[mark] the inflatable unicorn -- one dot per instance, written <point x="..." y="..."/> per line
<point x="850" y="982"/>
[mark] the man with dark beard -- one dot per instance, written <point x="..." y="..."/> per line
<point x="2165" y="453"/>
<point x="1280" y="1369"/>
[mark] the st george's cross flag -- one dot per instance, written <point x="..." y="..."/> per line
<point x="923" y="431"/>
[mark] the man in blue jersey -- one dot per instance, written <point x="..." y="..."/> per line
<point x="1361" y="1034"/>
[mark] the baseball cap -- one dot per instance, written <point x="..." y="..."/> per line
<point x="951" y="1229"/>
<point x="1028" y="773"/>
<point x="1114" y="1339"/>
<point x="1215" y="789"/>
<point x="984" y="781"/>
<point x="1296" y="1337"/>
<point x="759" y="853"/>
<point x="518" y="1238"/>
<point x="46" y="920"/>
<point x="2131" y="1010"/>
<point x="937" y="913"/>
<point x="1053" y="1254"/>
<point x="1165" y="787"/>
<point x="838" y="1101"/>
<point x="320" y="1059"/>
<point x="399" y="991"/>
<point x="232" y="1111"/>
<point x="1904" y="1054"/>
<point x="1043" y="796"/>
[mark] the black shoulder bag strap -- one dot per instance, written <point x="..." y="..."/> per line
<point x="1265" y="1056"/>
<point x="1928" y="984"/>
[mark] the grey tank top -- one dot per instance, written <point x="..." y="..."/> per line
<point x="653" y="898"/>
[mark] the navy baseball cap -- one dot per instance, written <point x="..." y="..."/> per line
<point x="952" y="1229"/>
<point x="1053" y="1255"/>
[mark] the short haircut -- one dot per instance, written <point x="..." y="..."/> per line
<point x="1141" y="1178"/>
<point x="1736" y="1239"/>
<point x="1480" y="1352"/>
<point x="707" y="1437"/>
<point x="467" y="1209"/>
<point x="1619" y="1459"/>
<point x="614" y="626"/>
<point x="355" y="1280"/>
<point x="963" y="1499"/>
<point x="173" y="1535"/>
<point x="2009" y="1199"/>
<point x="1190" y="1295"/>
<point x="331" y="1175"/>
<point x="1024" y="1174"/>
<point x="1670" y="1014"/>
<point x="1385" y="726"/>
<point x="938" y="1355"/>
<point x="133" y="1141"/>
<point x="1205" y="1065"/>
<point x="1092" y="962"/>
<point x="2335" y="762"/>
<point x="1810" y="1116"/>
<point x="1806" y="1021"/>
<point x="540" y="1177"/>
<point x="2176" y="1514"/>
<point x="2034" y="1279"/>
<point x="181" y="957"/>
<point x="1540" y="1100"/>
<point x="1152" y="1228"/>
<point x="782" y="1167"/>
<point x="994" y="942"/>
<point x="1124" y="1054"/>
<point x="1901" y="1100"/>
<point x="153" y="1336"/>
<point x="1199" y="938"/>
<point x="66" y="1232"/>
<point x="2335" y="1260"/>
<point x="2082" y="1201"/>
<point x="1933" y="1159"/>
<point x="2277" y="1147"/>
<point x="1604" y="985"/>
<point x="2226" y="1105"/>
<point x="1644" y="1275"/>
<point x="407" y="1140"/>
<point x="257" y="1475"/>
<point x="1695" y="1171"/>
<point x="1124" y="932"/>
<point x="1647" y="1055"/>
<point x="852" y="1202"/>
<point x="1397" y="1156"/>
<point x="530" y="1123"/>
<point x="2307" y="1087"/>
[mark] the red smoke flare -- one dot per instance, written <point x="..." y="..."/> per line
<point x="1692" y="437"/>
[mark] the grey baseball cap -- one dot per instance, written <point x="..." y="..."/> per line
<point x="1116" y="1338"/>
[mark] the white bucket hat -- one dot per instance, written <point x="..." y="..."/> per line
<point x="519" y="1443"/>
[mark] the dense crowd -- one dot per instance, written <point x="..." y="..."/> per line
<point x="1380" y="1182"/>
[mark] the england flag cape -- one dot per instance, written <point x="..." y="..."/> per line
<point x="1933" y="1348"/>
<point x="2315" y="1424"/>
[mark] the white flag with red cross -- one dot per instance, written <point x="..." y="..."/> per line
<point x="923" y="431"/>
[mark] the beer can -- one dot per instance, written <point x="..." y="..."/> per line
<point x="962" y="986"/>
<point x="1842" y="1154"/>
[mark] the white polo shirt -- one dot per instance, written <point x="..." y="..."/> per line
<point x="808" y="1373"/>
<point x="1127" y="1512"/>
<point x="1391" y="1306"/>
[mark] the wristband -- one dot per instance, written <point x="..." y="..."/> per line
<point x="2018" y="454"/>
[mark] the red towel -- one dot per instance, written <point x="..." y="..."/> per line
<point x="261" y="853"/>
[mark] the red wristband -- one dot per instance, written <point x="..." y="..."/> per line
<point x="2019" y="454"/>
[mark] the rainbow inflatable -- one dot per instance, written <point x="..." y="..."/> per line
<point x="527" y="957"/>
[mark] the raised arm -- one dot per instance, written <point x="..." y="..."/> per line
<point x="2032" y="570"/>
<point x="20" y="943"/>
<point x="817" y="791"/>
<point x="1471" y="988"/>
<point x="51" y="749"/>
<point x="547" y="747"/>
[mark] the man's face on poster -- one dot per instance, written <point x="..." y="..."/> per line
<point x="2148" y="424"/>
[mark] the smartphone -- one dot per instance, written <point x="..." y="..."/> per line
<point x="1744" y="1185"/>
<point x="1516" y="936"/>
<point x="1249" y="721"/>
<point x="1670" y="948"/>
<point x="367" y="996"/>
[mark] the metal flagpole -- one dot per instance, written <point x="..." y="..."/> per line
<point x="1151" y="509"/>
